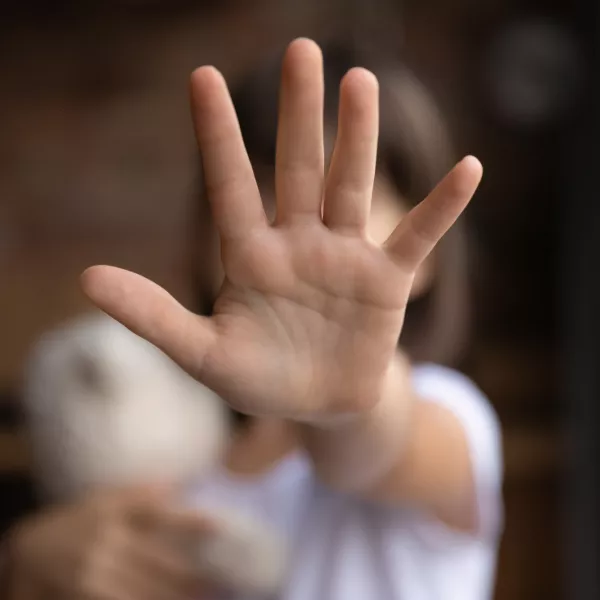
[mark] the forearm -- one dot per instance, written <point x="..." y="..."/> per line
<point x="405" y="451"/>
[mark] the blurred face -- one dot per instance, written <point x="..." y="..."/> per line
<point x="387" y="209"/>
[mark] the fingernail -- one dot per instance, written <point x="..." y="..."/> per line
<point x="471" y="159"/>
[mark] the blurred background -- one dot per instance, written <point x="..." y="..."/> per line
<point x="98" y="165"/>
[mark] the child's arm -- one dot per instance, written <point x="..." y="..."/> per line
<point x="406" y="450"/>
<point x="307" y="322"/>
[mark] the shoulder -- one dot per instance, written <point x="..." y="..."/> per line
<point x="447" y="385"/>
<point x="470" y="405"/>
<point x="460" y="395"/>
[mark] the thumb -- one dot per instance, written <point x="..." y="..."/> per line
<point x="152" y="313"/>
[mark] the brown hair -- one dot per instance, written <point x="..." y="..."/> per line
<point x="414" y="153"/>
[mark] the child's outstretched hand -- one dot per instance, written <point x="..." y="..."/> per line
<point x="307" y="321"/>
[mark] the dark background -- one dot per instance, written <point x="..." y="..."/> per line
<point x="98" y="164"/>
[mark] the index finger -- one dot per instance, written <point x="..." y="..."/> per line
<point x="228" y="175"/>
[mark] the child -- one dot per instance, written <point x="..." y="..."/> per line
<point x="385" y="476"/>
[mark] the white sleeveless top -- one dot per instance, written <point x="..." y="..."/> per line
<point x="344" y="548"/>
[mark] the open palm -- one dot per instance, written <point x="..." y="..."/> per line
<point x="307" y="321"/>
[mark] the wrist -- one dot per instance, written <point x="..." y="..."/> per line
<point x="394" y="399"/>
<point x="391" y="395"/>
<point x="354" y="451"/>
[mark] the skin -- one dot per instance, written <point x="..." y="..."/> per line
<point x="116" y="545"/>
<point x="307" y="319"/>
<point x="304" y="333"/>
<point x="387" y="208"/>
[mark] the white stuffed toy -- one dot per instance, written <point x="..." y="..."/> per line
<point x="106" y="408"/>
